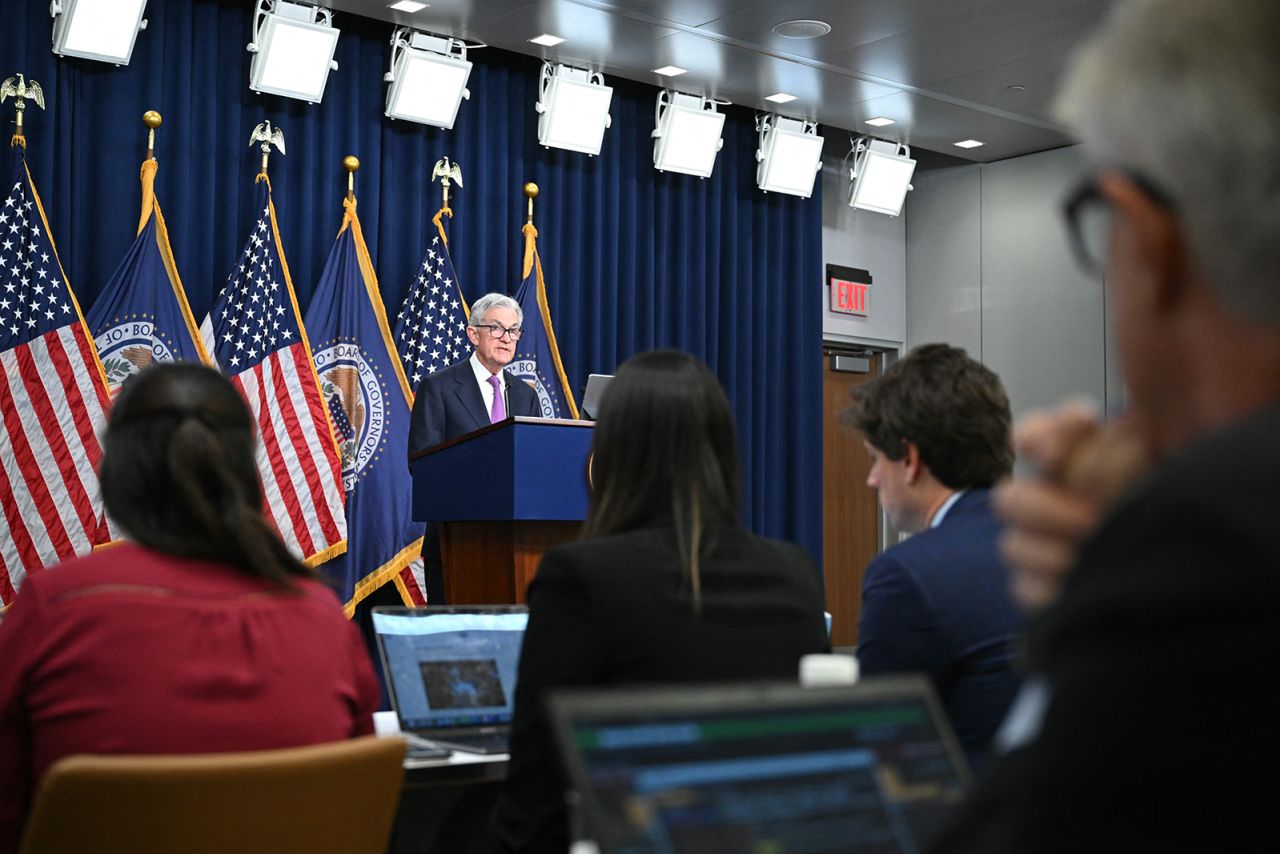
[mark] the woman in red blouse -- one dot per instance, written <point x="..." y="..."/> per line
<point x="200" y="633"/>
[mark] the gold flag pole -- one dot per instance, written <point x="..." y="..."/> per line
<point x="152" y="120"/>
<point x="21" y="90"/>
<point x="530" y="193"/>
<point x="351" y="163"/>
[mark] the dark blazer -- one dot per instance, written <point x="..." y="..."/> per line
<point x="617" y="610"/>
<point x="940" y="603"/>
<point x="449" y="405"/>
<point x="1158" y="663"/>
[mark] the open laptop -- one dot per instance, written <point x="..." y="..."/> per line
<point x="451" y="671"/>
<point x="871" y="767"/>
<point x="593" y="394"/>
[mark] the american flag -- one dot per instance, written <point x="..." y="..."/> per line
<point x="53" y="399"/>
<point x="431" y="328"/>
<point x="256" y="337"/>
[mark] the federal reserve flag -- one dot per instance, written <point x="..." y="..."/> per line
<point x="431" y="329"/>
<point x="53" y="398"/>
<point x="142" y="316"/>
<point x="537" y="360"/>
<point x="369" y="401"/>
<point x="255" y="335"/>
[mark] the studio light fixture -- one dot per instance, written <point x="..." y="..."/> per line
<point x="292" y="47"/>
<point x="428" y="78"/>
<point x="789" y="156"/>
<point x="573" y="108"/>
<point x="881" y="175"/>
<point x="686" y="136"/>
<point x="104" y="30"/>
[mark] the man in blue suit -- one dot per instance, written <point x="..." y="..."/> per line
<point x="466" y="396"/>
<point x="937" y="427"/>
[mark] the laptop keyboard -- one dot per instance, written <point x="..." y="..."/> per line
<point x="496" y="742"/>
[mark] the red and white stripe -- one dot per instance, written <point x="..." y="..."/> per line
<point x="297" y="459"/>
<point x="53" y="410"/>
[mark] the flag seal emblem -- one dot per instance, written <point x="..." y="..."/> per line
<point x="128" y="347"/>
<point x="357" y="402"/>
<point x="526" y="370"/>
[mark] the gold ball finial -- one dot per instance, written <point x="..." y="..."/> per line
<point x="351" y="163"/>
<point x="531" y="190"/>
<point x="151" y="119"/>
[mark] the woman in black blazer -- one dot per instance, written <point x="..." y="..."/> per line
<point x="665" y="586"/>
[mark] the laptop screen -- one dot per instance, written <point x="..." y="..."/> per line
<point x="868" y="768"/>
<point x="451" y="667"/>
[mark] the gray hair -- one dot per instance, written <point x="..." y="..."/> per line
<point x="480" y="308"/>
<point x="1187" y="94"/>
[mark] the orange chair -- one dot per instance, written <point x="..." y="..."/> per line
<point x="338" y="797"/>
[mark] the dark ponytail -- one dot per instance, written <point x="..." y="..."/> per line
<point x="178" y="472"/>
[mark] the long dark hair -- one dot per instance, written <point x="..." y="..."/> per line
<point x="178" y="472"/>
<point x="665" y="452"/>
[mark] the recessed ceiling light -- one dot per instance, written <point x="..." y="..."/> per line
<point x="879" y="122"/>
<point x="670" y="70"/>
<point x="969" y="143"/>
<point x="409" y="6"/>
<point x="546" y="40"/>
<point x="1016" y="87"/>
<point x="780" y="98"/>
<point x="802" y="29"/>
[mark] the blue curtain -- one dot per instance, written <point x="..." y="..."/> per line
<point x="634" y="259"/>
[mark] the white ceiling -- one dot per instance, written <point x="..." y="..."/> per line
<point x="944" y="70"/>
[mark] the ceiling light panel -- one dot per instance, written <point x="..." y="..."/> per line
<point x="688" y="135"/>
<point x="790" y="156"/>
<point x="293" y="52"/>
<point x="104" y="30"/>
<point x="547" y="40"/>
<point x="428" y="88"/>
<point x="574" y="109"/>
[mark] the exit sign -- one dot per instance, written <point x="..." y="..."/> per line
<point x="850" y="290"/>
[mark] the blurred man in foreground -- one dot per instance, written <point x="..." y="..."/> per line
<point x="1152" y="713"/>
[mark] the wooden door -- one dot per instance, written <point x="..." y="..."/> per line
<point x="850" y="513"/>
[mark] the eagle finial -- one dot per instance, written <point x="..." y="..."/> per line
<point x="21" y="90"/>
<point x="448" y="173"/>
<point x="268" y="137"/>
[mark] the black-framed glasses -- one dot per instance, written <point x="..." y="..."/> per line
<point x="1088" y="217"/>
<point x="497" y="330"/>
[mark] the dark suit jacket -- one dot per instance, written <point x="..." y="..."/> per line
<point x="449" y="405"/>
<point x="617" y="610"/>
<point x="1159" y="659"/>
<point x="940" y="603"/>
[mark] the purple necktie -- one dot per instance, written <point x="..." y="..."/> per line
<point x="499" y="410"/>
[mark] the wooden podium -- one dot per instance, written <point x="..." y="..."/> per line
<point x="500" y="497"/>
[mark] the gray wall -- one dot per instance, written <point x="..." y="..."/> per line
<point x="989" y="269"/>
<point x="869" y="241"/>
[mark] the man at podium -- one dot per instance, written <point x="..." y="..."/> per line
<point x="467" y="396"/>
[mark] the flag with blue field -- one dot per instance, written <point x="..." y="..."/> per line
<point x="537" y="360"/>
<point x="369" y="402"/>
<point x="142" y="316"/>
